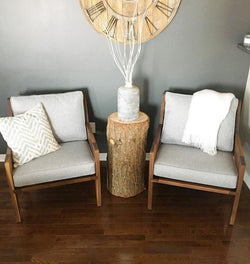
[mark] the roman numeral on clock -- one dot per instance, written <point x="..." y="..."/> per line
<point x="151" y="27"/>
<point x="165" y="9"/>
<point x="111" y="27"/>
<point x="95" y="10"/>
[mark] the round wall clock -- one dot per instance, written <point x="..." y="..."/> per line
<point x="113" y="17"/>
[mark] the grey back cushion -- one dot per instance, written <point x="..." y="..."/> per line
<point x="176" y="115"/>
<point x="65" y="112"/>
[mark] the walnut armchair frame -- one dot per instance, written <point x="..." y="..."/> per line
<point x="8" y="164"/>
<point x="238" y="158"/>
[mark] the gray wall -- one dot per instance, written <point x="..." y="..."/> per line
<point x="49" y="45"/>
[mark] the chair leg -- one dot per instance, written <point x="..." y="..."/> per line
<point x="234" y="209"/>
<point x="8" y="170"/>
<point x="15" y="205"/>
<point x="98" y="192"/>
<point x="98" y="185"/>
<point x="150" y="184"/>
<point x="150" y="194"/>
<point x="235" y="206"/>
<point x="236" y="201"/>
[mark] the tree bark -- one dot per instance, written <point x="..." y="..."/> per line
<point x="126" y="155"/>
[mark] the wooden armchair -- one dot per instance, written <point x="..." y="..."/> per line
<point x="76" y="161"/>
<point x="173" y="163"/>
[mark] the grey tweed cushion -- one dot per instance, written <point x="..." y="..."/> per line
<point x="73" y="159"/>
<point x="190" y="164"/>
<point x="65" y="112"/>
<point x="176" y="115"/>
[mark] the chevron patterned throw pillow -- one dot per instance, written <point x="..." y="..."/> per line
<point x="29" y="135"/>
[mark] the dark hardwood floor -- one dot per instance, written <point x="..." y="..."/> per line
<point x="63" y="225"/>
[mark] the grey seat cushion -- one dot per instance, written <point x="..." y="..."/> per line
<point x="65" y="112"/>
<point x="192" y="165"/>
<point x="73" y="159"/>
<point x="176" y="115"/>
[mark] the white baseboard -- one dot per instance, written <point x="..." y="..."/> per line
<point x="103" y="156"/>
<point x="247" y="180"/>
<point x="2" y="157"/>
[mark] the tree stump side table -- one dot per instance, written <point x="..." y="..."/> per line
<point x="126" y="155"/>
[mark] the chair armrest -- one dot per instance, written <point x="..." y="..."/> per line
<point x="8" y="164"/>
<point x="156" y="144"/>
<point x="92" y="142"/>
<point x="239" y="155"/>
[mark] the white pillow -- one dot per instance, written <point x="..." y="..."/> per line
<point x="29" y="135"/>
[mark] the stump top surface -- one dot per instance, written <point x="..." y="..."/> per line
<point x="141" y="119"/>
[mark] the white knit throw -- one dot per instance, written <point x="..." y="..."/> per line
<point x="207" y="110"/>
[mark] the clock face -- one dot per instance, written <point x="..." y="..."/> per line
<point x="115" y="17"/>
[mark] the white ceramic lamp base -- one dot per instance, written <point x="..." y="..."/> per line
<point x="128" y="103"/>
